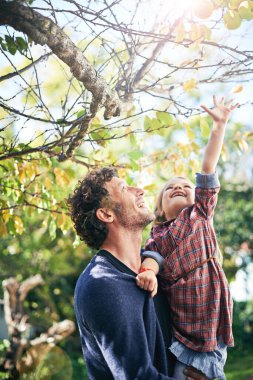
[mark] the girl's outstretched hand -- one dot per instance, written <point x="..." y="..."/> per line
<point x="221" y="111"/>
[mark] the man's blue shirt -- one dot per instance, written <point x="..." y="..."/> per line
<point x="120" y="334"/>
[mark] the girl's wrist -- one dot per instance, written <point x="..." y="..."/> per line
<point x="144" y="269"/>
<point x="219" y="124"/>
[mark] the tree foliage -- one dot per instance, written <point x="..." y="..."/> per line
<point x="64" y="61"/>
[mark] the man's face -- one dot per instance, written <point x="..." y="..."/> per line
<point x="129" y="207"/>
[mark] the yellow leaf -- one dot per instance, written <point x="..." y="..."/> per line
<point x="237" y="89"/>
<point x="193" y="165"/>
<point x="3" y="228"/>
<point x="189" y="85"/>
<point x="47" y="183"/>
<point x="61" y="220"/>
<point x="206" y="32"/>
<point x="195" y="33"/>
<point x="180" y="33"/>
<point x="37" y="188"/>
<point x="30" y="172"/>
<point x="61" y="176"/>
<point x="18" y="224"/>
<point x="96" y="120"/>
<point x="224" y="155"/>
<point x="21" y="173"/>
<point x="151" y="187"/>
<point x="100" y="154"/>
<point x="243" y="145"/>
<point x="130" y="111"/>
<point x="180" y="168"/>
<point x="5" y="215"/>
<point x="189" y="132"/>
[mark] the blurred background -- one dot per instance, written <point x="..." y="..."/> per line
<point x="163" y="59"/>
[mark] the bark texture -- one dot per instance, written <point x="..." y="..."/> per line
<point x="23" y="353"/>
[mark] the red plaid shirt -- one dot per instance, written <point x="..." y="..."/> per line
<point x="197" y="289"/>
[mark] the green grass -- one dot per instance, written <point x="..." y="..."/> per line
<point x="239" y="364"/>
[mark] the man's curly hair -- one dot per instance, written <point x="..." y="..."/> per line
<point x="89" y="195"/>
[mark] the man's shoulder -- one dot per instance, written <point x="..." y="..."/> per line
<point x="101" y="279"/>
<point x="97" y="272"/>
<point x="103" y="291"/>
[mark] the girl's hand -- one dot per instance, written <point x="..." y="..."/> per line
<point x="221" y="111"/>
<point x="147" y="280"/>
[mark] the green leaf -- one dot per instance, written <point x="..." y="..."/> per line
<point x="11" y="46"/>
<point x="132" y="139"/>
<point x="204" y="128"/>
<point x="21" y="43"/>
<point x="165" y="118"/>
<point x="147" y="123"/>
<point x="80" y="113"/>
<point x="52" y="229"/>
<point x="156" y="124"/>
<point x="135" y="165"/>
<point x="135" y="154"/>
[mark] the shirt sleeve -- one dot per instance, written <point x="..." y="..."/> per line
<point x="150" y="244"/>
<point x="155" y="256"/>
<point x="120" y="332"/>
<point x="206" y="194"/>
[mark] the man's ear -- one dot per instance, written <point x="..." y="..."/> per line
<point x="105" y="215"/>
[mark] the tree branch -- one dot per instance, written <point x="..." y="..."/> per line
<point x="44" y="31"/>
<point x="21" y="71"/>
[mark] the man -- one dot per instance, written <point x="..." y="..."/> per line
<point x="120" y="334"/>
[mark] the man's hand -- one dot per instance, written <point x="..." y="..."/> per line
<point x="147" y="280"/>
<point x="193" y="374"/>
<point x="221" y="111"/>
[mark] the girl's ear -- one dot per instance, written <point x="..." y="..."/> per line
<point x="105" y="215"/>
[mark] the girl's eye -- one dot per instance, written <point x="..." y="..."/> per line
<point x="189" y="187"/>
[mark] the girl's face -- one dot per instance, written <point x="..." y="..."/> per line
<point x="178" y="194"/>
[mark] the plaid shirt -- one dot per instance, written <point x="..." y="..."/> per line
<point x="197" y="289"/>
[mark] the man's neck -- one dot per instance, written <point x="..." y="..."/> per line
<point x="126" y="247"/>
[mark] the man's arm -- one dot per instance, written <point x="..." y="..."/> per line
<point x="220" y="115"/>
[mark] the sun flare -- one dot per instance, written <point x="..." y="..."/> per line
<point x="200" y="8"/>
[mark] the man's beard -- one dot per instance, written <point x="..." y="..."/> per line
<point x="132" y="222"/>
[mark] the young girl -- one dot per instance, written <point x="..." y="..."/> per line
<point x="192" y="277"/>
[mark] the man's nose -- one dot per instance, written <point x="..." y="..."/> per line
<point x="178" y="186"/>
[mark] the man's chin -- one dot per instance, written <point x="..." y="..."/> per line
<point x="150" y="217"/>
